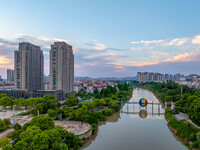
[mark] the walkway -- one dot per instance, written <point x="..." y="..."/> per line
<point x="183" y="116"/>
<point x="6" y="133"/>
<point x="74" y="126"/>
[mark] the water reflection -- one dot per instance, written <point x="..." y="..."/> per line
<point x="143" y="114"/>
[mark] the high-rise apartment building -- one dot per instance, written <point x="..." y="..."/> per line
<point x="10" y="75"/>
<point x="61" y="67"/>
<point x="29" y="67"/>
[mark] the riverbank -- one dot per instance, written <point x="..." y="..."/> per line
<point x="184" y="130"/>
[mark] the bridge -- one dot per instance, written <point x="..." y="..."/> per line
<point x="151" y="103"/>
<point x="127" y="102"/>
<point x="143" y="112"/>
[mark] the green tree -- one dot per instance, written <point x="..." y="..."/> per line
<point x="99" y="102"/>
<point x="8" y="147"/>
<point x="72" y="141"/>
<point x="16" y="135"/>
<point x="59" y="146"/>
<point x="52" y="113"/>
<point x="29" y="133"/>
<point x="68" y="112"/>
<point x="62" y="131"/>
<point x="49" y="97"/>
<point x="17" y="126"/>
<point x="32" y="101"/>
<point x="96" y="91"/>
<point x="25" y="102"/>
<point x="17" y="103"/>
<point x="40" y="142"/>
<point x="4" y="141"/>
<point x="3" y="126"/>
<point x="115" y="105"/>
<point x="37" y="107"/>
<point x="71" y="100"/>
<point x="3" y="95"/>
<point x="89" y="105"/>
<point x="81" y="113"/>
<point x="43" y="122"/>
<point x="7" y="121"/>
<point x="6" y="101"/>
<point x="39" y="100"/>
<point x="98" y="96"/>
<point x="54" y="136"/>
<point x="21" y="145"/>
<point x="60" y="111"/>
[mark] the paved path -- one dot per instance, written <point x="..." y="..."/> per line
<point x="74" y="126"/>
<point x="6" y="133"/>
<point x="183" y="116"/>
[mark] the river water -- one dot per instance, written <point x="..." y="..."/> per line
<point x="135" y="128"/>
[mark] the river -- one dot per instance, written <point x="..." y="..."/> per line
<point x="139" y="129"/>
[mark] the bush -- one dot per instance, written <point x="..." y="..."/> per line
<point x="91" y="119"/>
<point x="3" y="126"/>
<point x="43" y="122"/>
<point x="17" y="126"/>
<point x="94" y="127"/>
<point x="196" y="144"/>
<point x="25" y="113"/>
<point x="7" y="122"/>
<point x="107" y="112"/>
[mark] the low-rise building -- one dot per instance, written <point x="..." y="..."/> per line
<point x="59" y="95"/>
<point x="77" y="87"/>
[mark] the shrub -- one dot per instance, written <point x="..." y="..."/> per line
<point x="17" y="126"/>
<point x="196" y="144"/>
<point x="3" y="126"/>
<point x="7" y="122"/>
<point x="94" y="127"/>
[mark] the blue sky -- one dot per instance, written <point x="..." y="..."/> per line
<point x="110" y="37"/>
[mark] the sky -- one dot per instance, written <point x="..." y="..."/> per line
<point x="110" y="38"/>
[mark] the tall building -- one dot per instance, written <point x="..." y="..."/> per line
<point x="10" y="75"/>
<point x="139" y="76"/>
<point x="61" y="67"/>
<point x="29" y="67"/>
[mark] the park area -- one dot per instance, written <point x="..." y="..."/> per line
<point x="76" y="127"/>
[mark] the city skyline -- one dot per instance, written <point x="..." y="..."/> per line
<point x="143" y="36"/>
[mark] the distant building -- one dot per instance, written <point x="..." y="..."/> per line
<point x="10" y="75"/>
<point x="46" y="86"/>
<point x="62" y="67"/>
<point x="46" y="78"/>
<point x="77" y="87"/>
<point x="139" y="76"/>
<point x="1" y="78"/>
<point x="158" y="77"/>
<point x="29" y="67"/>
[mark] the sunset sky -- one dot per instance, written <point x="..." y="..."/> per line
<point x="109" y="37"/>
